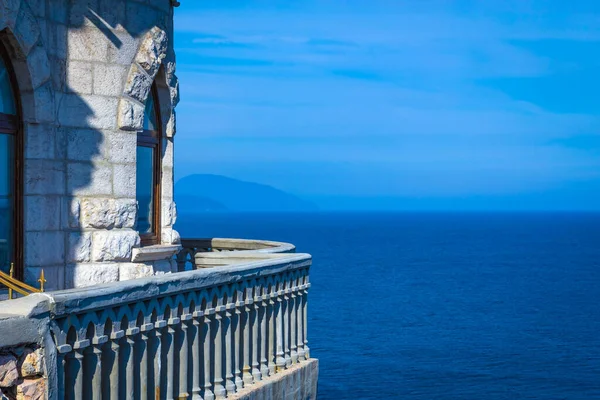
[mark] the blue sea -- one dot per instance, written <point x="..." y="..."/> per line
<point x="443" y="306"/>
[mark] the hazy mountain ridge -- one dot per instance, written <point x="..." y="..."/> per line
<point x="213" y="193"/>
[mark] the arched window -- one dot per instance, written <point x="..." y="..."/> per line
<point x="10" y="170"/>
<point x="149" y="172"/>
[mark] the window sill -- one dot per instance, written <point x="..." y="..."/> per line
<point x="154" y="253"/>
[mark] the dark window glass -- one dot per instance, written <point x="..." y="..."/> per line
<point x="148" y="174"/>
<point x="7" y="174"/>
<point x="145" y="189"/>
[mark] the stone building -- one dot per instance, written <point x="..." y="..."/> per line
<point x="87" y="123"/>
<point x="90" y="90"/>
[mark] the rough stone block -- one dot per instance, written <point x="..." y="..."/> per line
<point x="122" y="146"/>
<point x="152" y="51"/>
<point x="40" y="141"/>
<point x="31" y="363"/>
<point x="32" y="389"/>
<point x="44" y="177"/>
<point x="38" y="66"/>
<point x="42" y="213"/>
<point x="82" y="275"/>
<point x="26" y="30"/>
<point x="10" y="13"/>
<point x="80" y="247"/>
<point x="88" y="111"/>
<point x="171" y="129"/>
<point x="114" y="245"/>
<point x="44" y="248"/>
<point x="131" y="115"/>
<point x="71" y="213"/>
<point x="79" y="77"/>
<point x="138" y="84"/>
<point x="108" y="213"/>
<point x="129" y="271"/>
<point x="87" y="44"/>
<point x="168" y="213"/>
<point x="86" y="145"/>
<point x="170" y="236"/>
<point x="123" y="51"/>
<point x="9" y="374"/>
<point x="108" y="79"/>
<point x="85" y="179"/>
<point x="124" y="180"/>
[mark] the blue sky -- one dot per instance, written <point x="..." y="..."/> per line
<point x="376" y="104"/>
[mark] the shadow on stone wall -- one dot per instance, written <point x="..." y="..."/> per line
<point x="79" y="174"/>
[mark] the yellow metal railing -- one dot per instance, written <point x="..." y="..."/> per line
<point x="15" y="285"/>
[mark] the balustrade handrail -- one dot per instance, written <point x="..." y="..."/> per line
<point x="243" y="245"/>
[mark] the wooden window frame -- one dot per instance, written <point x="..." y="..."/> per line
<point x="13" y="125"/>
<point x="153" y="139"/>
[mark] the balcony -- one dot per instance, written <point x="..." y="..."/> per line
<point x="231" y="324"/>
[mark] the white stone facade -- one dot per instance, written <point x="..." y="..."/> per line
<point x="84" y="70"/>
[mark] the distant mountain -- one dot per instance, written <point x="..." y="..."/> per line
<point x="204" y="192"/>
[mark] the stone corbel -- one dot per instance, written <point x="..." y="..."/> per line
<point x="154" y="253"/>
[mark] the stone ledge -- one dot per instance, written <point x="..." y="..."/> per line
<point x="154" y="253"/>
<point x="299" y="382"/>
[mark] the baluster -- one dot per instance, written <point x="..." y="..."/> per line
<point x="218" y="341"/>
<point x="280" y="360"/>
<point x="286" y="327"/>
<point x="196" y="356"/>
<point x="158" y="334"/>
<point x="272" y="333"/>
<point x="300" y="323"/>
<point x="61" y="358"/>
<point x="145" y="330"/>
<point x="247" y="376"/>
<point x="292" y="306"/>
<point x="305" y="312"/>
<point x="255" y="325"/>
<point x="207" y="340"/>
<point x="262" y="315"/>
<point x="171" y="356"/>
<point x="183" y="357"/>
<point x="97" y="344"/>
<point x="129" y="368"/>
<point x="115" y="337"/>
<point x="229" y="385"/>
<point x="78" y="364"/>
<point x="239" y="383"/>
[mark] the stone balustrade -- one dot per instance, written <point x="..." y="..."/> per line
<point x="195" y="251"/>
<point x="209" y="333"/>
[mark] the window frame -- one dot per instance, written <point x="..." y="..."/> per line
<point x="13" y="125"/>
<point x="153" y="139"/>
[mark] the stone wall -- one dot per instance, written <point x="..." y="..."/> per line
<point x="22" y="373"/>
<point x="84" y="70"/>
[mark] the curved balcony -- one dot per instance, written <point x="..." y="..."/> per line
<point x="213" y="252"/>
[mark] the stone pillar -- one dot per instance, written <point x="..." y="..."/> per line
<point x="239" y="383"/>
<point x="207" y="339"/>
<point x="300" y="324"/>
<point x="145" y="336"/>
<point x="255" y="325"/>
<point x="247" y="376"/>
<point x="293" y="340"/>
<point x="229" y="384"/>
<point x="97" y="344"/>
<point x="158" y="366"/>
<point x="286" y="327"/>
<point x="171" y="356"/>
<point x="262" y="315"/>
<point x="219" y="390"/>
<point x="196" y="357"/>
<point x="78" y="369"/>
<point x="305" y="312"/>
<point x="272" y="334"/>
<point x="280" y="360"/>
<point x="183" y="357"/>
<point x="130" y="366"/>
<point x="115" y="380"/>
